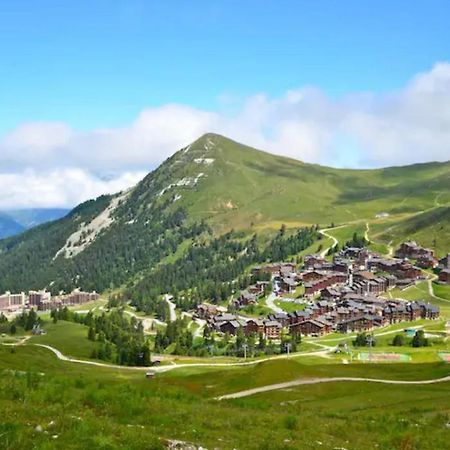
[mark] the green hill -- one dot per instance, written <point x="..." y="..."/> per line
<point x="202" y="191"/>
<point x="244" y="186"/>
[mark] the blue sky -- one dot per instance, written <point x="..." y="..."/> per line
<point x="98" y="63"/>
<point x="94" y="94"/>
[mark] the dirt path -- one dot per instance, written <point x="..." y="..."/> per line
<point x="431" y="291"/>
<point x="303" y="381"/>
<point x="366" y="233"/>
<point x="323" y="232"/>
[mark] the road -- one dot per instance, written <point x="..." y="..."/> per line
<point x="172" y="307"/>
<point x="303" y="381"/>
<point x="270" y="303"/>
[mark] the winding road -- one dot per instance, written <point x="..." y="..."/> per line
<point x="303" y="381"/>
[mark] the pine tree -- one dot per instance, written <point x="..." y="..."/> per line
<point x="91" y="334"/>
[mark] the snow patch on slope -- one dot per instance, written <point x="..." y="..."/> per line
<point x="206" y="161"/>
<point x="87" y="232"/>
<point x="184" y="182"/>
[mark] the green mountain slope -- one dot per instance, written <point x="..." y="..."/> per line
<point x="202" y="191"/>
<point x="244" y="186"/>
<point x="431" y="228"/>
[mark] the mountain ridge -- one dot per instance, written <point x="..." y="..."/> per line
<point x="208" y="188"/>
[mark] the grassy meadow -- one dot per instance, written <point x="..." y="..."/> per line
<point x="47" y="403"/>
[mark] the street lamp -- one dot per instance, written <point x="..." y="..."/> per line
<point x="288" y="348"/>
<point x="245" y="346"/>
<point x="370" y="342"/>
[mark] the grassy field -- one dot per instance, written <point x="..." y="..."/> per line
<point x="68" y="337"/>
<point x="85" y="407"/>
<point x="258" y="310"/>
<point x="441" y="290"/>
<point x="289" y="306"/>
<point x="430" y="228"/>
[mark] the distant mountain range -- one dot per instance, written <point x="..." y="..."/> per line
<point x="17" y="221"/>
<point x="218" y="185"/>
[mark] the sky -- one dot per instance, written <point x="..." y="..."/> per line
<point x="95" y="94"/>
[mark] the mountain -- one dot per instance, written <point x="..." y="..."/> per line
<point x="205" y="190"/>
<point x="16" y="221"/>
<point x="8" y="226"/>
<point x="32" y="217"/>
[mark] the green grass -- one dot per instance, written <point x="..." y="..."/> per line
<point x="258" y="310"/>
<point x="68" y="337"/>
<point x="441" y="290"/>
<point x="180" y="251"/>
<point x="88" y="407"/>
<point x="430" y="228"/>
<point x="289" y="306"/>
<point x="91" y="306"/>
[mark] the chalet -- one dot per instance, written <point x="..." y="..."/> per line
<point x="341" y="265"/>
<point x="407" y="270"/>
<point x="205" y="311"/>
<point x="324" y="306"/>
<point x="254" y="326"/>
<point x="272" y="329"/>
<point x="299" y="316"/>
<point x="231" y="327"/>
<point x="246" y="298"/>
<point x="312" y="261"/>
<point x="330" y="293"/>
<point x="259" y="287"/>
<point x="444" y="263"/>
<point x="411" y="250"/>
<point x="427" y="262"/>
<point x="395" y="313"/>
<point x="429" y="311"/>
<point x="217" y="321"/>
<point x="415" y="311"/>
<point x="351" y="252"/>
<point x="444" y="276"/>
<point x="280" y="317"/>
<point x="312" y="275"/>
<point x="287" y="284"/>
<point x="311" y="326"/>
<point x="358" y="324"/>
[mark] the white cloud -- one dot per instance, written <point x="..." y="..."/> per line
<point x="58" y="188"/>
<point x="358" y="130"/>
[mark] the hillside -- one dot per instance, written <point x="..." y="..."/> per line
<point x="202" y="191"/>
